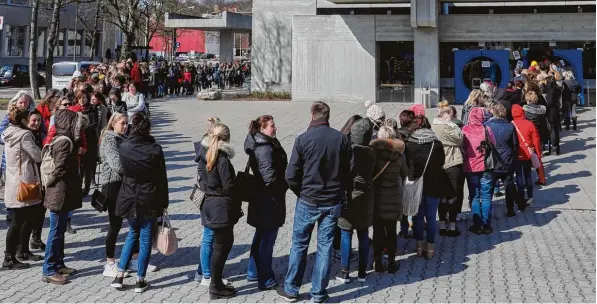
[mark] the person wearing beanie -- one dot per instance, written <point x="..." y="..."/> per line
<point x="419" y="109"/>
<point x="367" y="127"/>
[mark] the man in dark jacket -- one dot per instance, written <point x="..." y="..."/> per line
<point x="319" y="174"/>
<point x="506" y="143"/>
<point x="63" y="192"/>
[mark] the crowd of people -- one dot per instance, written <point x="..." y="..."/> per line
<point x="374" y="172"/>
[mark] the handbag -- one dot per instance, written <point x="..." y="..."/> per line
<point x="413" y="191"/>
<point x="535" y="162"/>
<point x="492" y="157"/>
<point x="27" y="192"/>
<point x="245" y="184"/>
<point x="197" y="196"/>
<point x="98" y="201"/>
<point x="165" y="239"/>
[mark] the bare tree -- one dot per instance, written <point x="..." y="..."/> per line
<point x="90" y="19"/>
<point x="33" y="49"/>
<point x="52" y="39"/>
<point x="124" y="14"/>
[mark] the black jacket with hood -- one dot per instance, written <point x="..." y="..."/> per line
<point x="268" y="162"/>
<point x="537" y="115"/>
<point x="388" y="186"/>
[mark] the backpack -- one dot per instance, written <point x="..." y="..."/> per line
<point x="47" y="159"/>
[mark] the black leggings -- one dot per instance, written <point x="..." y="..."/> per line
<point x="111" y="192"/>
<point x="38" y="221"/>
<point x="223" y="240"/>
<point x="448" y="212"/>
<point x="20" y="229"/>
<point x="384" y="236"/>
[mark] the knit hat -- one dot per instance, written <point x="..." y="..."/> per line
<point x="419" y="109"/>
<point x="77" y="74"/>
<point x="374" y="112"/>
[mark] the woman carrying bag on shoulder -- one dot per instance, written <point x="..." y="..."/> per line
<point x="221" y="209"/>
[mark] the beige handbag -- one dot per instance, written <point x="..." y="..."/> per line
<point x="165" y="239"/>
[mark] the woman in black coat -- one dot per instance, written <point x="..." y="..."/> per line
<point x="220" y="210"/>
<point x="143" y="196"/>
<point x="267" y="210"/>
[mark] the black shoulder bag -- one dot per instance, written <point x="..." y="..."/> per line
<point x="492" y="156"/>
<point x="245" y="183"/>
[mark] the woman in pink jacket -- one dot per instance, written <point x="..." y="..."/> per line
<point x="479" y="180"/>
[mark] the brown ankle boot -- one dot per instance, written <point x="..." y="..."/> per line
<point x="421" y="248"/>
<point x="430" y="250"/>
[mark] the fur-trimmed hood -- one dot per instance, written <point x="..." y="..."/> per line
<point x="70" y="123"/>
<point x="388" y="149"/>
<point x="535" y="109"/>
<point x="222" y="146"/>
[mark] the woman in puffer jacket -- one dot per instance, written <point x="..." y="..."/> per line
<point x="391" y="170"/>
<point x="536" y="114"/>
<point x="448" y="132"/>
<point x="528" y="137"/>
<point x="267" y="211"/>
<point x="479" y="180"/>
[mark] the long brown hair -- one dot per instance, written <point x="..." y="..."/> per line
<point x="259" y="123"/>
<point x="220" y="132"/>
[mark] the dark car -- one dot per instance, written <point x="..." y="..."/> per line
<point x="17" y="75"/>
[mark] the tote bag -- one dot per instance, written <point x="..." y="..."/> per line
<point x="413" y="191"/>
<point x="165" y="239"/>
<point x="535" y="163"/>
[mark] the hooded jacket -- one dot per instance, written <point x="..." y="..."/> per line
<point x="221" y="207"/>
<point x="144" y="190"/>
<point x="418" y="150"/>
<point x="474" y="134"/>
<point x="570" y="91"/>
<point x="537" y="115"/>
<point x="111" y="168"/>
<point x="528" y="131"/>
<point x="268" y="161"/>
<point x="20" y="148"/>
<point x="451" y="137"/>
<point x="63" y="192"/>
<point x="506" y="143"/>
<point x="388" y="186"/>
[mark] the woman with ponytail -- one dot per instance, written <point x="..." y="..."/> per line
<point x="221" y="210"/>
<point x="267" y="212"/>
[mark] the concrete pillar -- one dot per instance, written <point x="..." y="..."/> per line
<point x="26" y="46"/>
<point x="426" y="64"/>
<point x="226" y="45"/>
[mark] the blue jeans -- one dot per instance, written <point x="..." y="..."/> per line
<point x="141" y="231"/>
<point x="54" y="256"/>
<point x="205" y="253"/>
<point x="427" y="213"/>
<point x="346" y="246"/>
<point x="260" y="261"/>
<point x="305" y="218"/>
<point x="480" y="189"/>
<point x="524" y="178"/>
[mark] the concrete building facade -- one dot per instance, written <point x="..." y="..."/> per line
<point x="73" y="40"/>
<point x="340" y="50"/>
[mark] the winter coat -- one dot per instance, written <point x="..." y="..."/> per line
<point x="46" y="114"/>
<point x="508" y="106"/>
<point x="451" y="137"/>
<point x="506" y="143"/>
<point x="360" y="199"/>
<point x="528" y="131"/>
<point x="63" y="191"/>
<point x="111" y="168"/>
<point x="537" y="115"/>
<point x="554" y="104"/>
<point x="134" y="103"/>
<point x="319" y="168"/>
<point x="268" y="161"/>
<point x="221" y="207"/>
<point x="102" y="113"/>
<point x="117" y="107"/>
<point x="513" y="96"/>
<point x="388" y="186"/>
<point x="91" y="134"/>
<point x="144" y="190"/>
<point x="20" y="148"/>
<point x="361" y="131"/>
<point x="435" y="182"/>
<point x="570" y="91"/>
<point x="474" y="134"/>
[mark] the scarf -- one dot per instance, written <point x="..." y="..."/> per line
<point x="422" y="136"/>
<point x="318" y="122"/>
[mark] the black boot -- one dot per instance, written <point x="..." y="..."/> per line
<point x="222" y="292"/>
<point x="378" y="264"/>
<point x="23" y="254"/>
<point x="217" y="289"/>
<point x="69" y="228"/>
<point x="10" y="262"/>
<point x="574" y="123"/>
<point x="37" y="243"/>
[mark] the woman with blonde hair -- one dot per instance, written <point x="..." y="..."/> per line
<point x="220" y="210"/>
<point x="471" y="102"/>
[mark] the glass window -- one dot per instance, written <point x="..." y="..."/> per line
<point x="59" y="49"/>
<point x="74" y="43"/>
<point x="15" y="40"/>
<point x="19" y="2"/>
<point x="64" y="69"/>
<point x="41" y="39"/>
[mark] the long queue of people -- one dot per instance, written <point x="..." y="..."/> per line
<point x="374" y="172"/>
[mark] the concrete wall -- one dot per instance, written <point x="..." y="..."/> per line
<point x="334" y="58"/>
<point x="393" y="28"/>
<point x="271" y="50"/>
<point x="536" y="27"/>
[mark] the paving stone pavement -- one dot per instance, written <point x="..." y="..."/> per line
<point x="546" y="254"/>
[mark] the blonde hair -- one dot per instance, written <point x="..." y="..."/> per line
<point x="220" y="132"/>
<point x="473" y="97"/>
<point x="531" y="97"/>
<point x="386" y="132"/>
<point x="211" y="122"/>
<point x="117" y="116"/>
<point x="444" y="107"/>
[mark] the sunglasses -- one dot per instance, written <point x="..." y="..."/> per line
<point x="66" y="104"/>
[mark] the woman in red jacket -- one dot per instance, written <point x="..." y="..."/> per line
<point x="47" y="106"/>
<point x="527" y="136"/>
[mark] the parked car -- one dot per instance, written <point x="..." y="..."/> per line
<point x="17" y="75"/>
<point x="62" y="72"/>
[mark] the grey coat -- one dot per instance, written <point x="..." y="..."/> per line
<point x="111" y="168"/>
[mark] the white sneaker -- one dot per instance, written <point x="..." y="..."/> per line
<point x="207" y="281"/>
<point x="111" y="270"/>
<point x="134" y="266"/>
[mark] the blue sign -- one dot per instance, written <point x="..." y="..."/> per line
<point x="178" y="45"/>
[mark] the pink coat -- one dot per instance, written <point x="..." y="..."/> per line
<point x="474" y="134"/>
